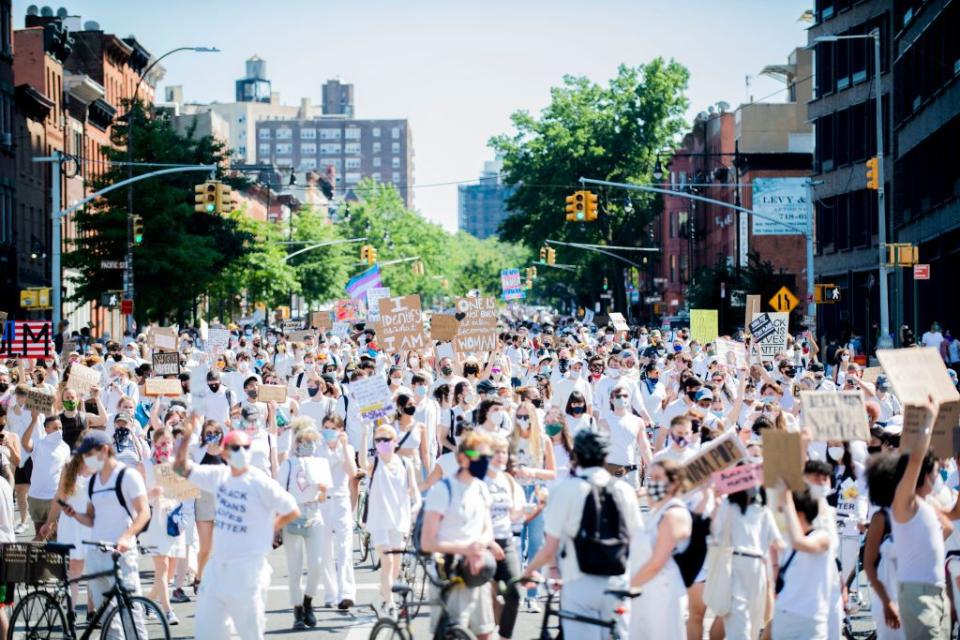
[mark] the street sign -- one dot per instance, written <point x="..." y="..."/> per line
<point x="783" y="301"/>
<point x="113" y="264"/>
<point x="126" y="307"/>
<point x="921" y="272"/>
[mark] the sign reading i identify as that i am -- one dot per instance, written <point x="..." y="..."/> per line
<point x="401" y="324"/>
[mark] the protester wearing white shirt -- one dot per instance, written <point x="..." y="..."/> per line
<point x="49" y="453"/>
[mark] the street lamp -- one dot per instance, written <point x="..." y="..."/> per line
<point x="885" y="341"/>
<point x="658" y="169"/>
<point x="128" y="266"/>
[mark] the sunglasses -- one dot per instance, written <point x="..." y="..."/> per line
<point x="476" y="455"/>
<point x="237" y="447"/>
<point x="621" y="396"/>
<point x="383" y="439"/>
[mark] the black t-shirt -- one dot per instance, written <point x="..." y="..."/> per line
<point x="211" y="459"/>
<point x="72" y="427"/>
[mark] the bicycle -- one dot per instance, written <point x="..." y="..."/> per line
<point x="400" y="629"/>
<point x="550" y="611"/>
<point x="364" y="544"/>
<point x="413" y="571"/>
<point x="39" y="614"/>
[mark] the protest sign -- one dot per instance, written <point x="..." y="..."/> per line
<point x="322" y="320"/>
<point x="445" y="350"/>
<point x="783" y="459"/>
<point x="166" y="363"/>
<point x="289" y="326"/>
<point x="174" y="487"/>
<point x="204" y="327"/>
<point x="510" y="283"/>
<point x="217" y="341"/>
<point x="762" y="327"/>
<point x="70" y="345"/>
<point x="478" y="325"/>
<point x="704" y="325"/>
<point x="374" y="296"/>
<point x="740" y="478"/>
<point x="299" y="336"/>
<point x="346" y="310"/>
<point x="401" y="324"/>
<point x="776" y="341"/>
<point x="835" y="415"/>
<point x="163" y="387"/>
<point x="39" y="401"/>
<point x="272" y="392"/>
<point x="373" y="397"/>
<point x="870" y="374"/>
<point x="82" y="378"/>
<point x="162" y="338"/>
<point x="443" y="327"/>
<point x="198" y="386"/>
<point x="732" y="353"/>
<point x="718" y="454"/>
<point x="619" y="324"/>
<point x="752" y="309"/>
<point x="341" y="329"/>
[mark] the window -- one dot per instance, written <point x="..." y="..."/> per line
<point x="307" y="164"/>
<point x="395" y="162"/>
<point x="330" y="148"/>
<point x="308" y="134"/>
<point x="264" y="150"/>
<point x="6" y="216"/>
<point x="329" y="134"/>
<point x="395" y="133"/>
<point x="376" y="147"/>
<point x="308" y="149"/>
<point x="284" y="148"/>
<point x="395" y="147"/>
<point x="284" y="133"/>
<point x="376" y="132"/>
<point x="352" y="133"/>
<point x="396" y="177"/>
<point x="673" y="224"/>
<point x="385" y="178"/>
<point x="336" y="163"/>
<point x="353" y="176"/>
<point x="241" y="151"/>
<point x="352" y="147"/>
<point x="263" y="133"/>
<point x="376" y="161"/>
<point x="353" y="163"/>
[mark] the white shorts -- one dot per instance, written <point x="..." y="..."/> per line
<point x="390" y="538"/>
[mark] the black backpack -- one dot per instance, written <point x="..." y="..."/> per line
<point x="691" y="560"/>
<point x="119" y="493"/>
<point x="603" y="541"/>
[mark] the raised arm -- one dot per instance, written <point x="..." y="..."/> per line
<point x="905" y="498"/>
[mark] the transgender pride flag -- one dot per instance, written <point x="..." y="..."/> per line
<point x="360" y="284"/>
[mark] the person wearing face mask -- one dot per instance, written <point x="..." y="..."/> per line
<point x="49" y="453"/>
<point x="447" y="375"/>
<point x="118" y="385"/>
<point x="819" y="476"/>
<point x="392" y="499"/>
<point x="413" y="443"/>
<point x="492" y="416"/>
<point x="577" y="416"/>
<point x="395" y="381"/>
<point x="685" y="400"/>
<point x="18" y="419"/>
<point x="339" y="583"/>
<point x="572" y="381"/>
<point x="628" y="437"/>
<point x="649" y="394"/>
<point x="220" y="402"/>
<point x="127" y="445"/>
<point x="165" y="549"/>
<point x="457" y="522"/>
<point x="74" y="419"/>
<point x="427" y="413"/>
<point x="207" y="451"/>
<point x="251" y="508"/>
<point x="307" y="478"/>
<point x="117" y="510"/>
<point x="317" y="405"/>
<point x="263" y="436"/>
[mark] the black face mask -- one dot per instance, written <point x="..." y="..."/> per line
<point x="576" y="411"/>
<point x="692" y="395"/>
<point x="4" y="386"/>
<point x="446" y="371"/>
<point x="313" y="391"/>
<point x="538" y="403"/>
<point x="409" y="410"/>
<point x="214" y="387"/>
<point x="252" y="394"/>
<point x="873" y="450"/>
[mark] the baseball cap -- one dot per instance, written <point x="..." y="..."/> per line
<point x="883" y="384"/>
<point x="486" y="386"/>
<point x="92" y="440"/>
<point x="123" y="416"/>
<point x="250" y="412"/>
<point x="704" y="394"/>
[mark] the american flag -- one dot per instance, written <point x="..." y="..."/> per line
<point x="27" y="339"/>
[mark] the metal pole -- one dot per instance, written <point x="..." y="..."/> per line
<point x="56" y="273"/>
<point x="885" y="340"/>
<point x="128" y="264"/>
<point x="811" y="306"/>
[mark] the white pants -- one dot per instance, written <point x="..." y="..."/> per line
<point x="339" y="582"/>
<point x="790" y="626"/>
<point x="296" y="547"/>
<point x="98" y="561"/>
<point x="233" y="590"/>
<point x="748" y="599"/>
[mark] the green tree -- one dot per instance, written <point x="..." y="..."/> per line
<point x="322" y="272"/>
<point x="476" y="264"/>
<point x="182" y="251"/>
<point x="610" y="132"/>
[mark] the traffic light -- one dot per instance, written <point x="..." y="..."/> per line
<point x="551" y="255"/>
<point x="591" y="201"/>
<point x="543" y="254"/>
<point x="606" y="284"/>
<point x="137" y="230"/>
<point x="368" y="254"/>
<point x="205" y="198"/>
<point x="902" y="254"/>
<point x="533" y="271"/>
<point x="226" y="202"/>
<point x="577" y="207"/>
<point x="418" y="269"/>
<point x="873" y="173"/>
<point x="826" y="294"/>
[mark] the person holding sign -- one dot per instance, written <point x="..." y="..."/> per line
<point x="73" y="417"/>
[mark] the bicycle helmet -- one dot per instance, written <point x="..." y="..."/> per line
<point x="590" y="448"/>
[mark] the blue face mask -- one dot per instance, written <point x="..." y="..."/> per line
<point x="372" y="353"/>
<point x="330" y="435"/>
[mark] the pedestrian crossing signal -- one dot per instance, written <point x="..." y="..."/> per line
<point x="826" y="294"/>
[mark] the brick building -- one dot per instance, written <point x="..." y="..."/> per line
<point x="8" y="168"/>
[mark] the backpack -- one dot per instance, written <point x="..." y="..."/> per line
<point x="418" y="524"/>
<point x="602" y="542"/>
<point x="690" y="560"/>
<point x="119" y="493"/>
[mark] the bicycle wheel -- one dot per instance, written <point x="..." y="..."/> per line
<point x="387" y="629"/>
<point x="38" y="616"/>
<point x="145" y="614"/>
<point x="457" y="633"/>
<point x="419" y="592"/>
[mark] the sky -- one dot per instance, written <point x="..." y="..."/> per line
<point x="455" y="69"/>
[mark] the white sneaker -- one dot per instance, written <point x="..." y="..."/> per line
<point x="172" y="618"/>
<point x="20" y="528"/>
<point x="532" y="606"/>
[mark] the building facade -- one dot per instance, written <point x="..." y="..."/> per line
<point x="483" y="206"/>
<point x="9" y="291"/>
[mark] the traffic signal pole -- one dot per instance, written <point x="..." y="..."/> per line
<point x="806" y="230"/>
<point x="57" y="215"/>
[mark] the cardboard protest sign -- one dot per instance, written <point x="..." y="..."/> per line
<point x="718" y="454"/>
<point x="346" y="310"/>
<point x="290" y="326"/>
<point x="944" y="442"/>
<point x="163" y="387"/>
<point x="374" y="296"/>
<point x="443" y="327"/>
<point x="341" y="329"/>
<point x="762" y="327"/>
<point x="835" y="415"/>
<point x="39" y="401"/>
<point x="162" y="338"/>
<point x="916" y="374"/>
<point x="174" y="487"/>
<point x="82" y="378"/>
<point x="619" y="324"/>
<point x="478" y="325"/>
<point x="752" y="309"/>
<point x="299" y="336"/>
<point x="776" y="341"/>
<point x="204" y="328"/>
<point x="218" y="340"/>
<point x="401" y="324"/>
<point x="373" y="397"/>
<point x="783" y="459"/>
<point x="740" y="478"/>
<point x="272" y="392"/>
<point x="445" y="350"/>
<point x="704" y="325"/>
<point x="870" y="374"/>
<point x="322" y="320"/>
<point x="732" y="353"/>
<point x="166" y="363"/>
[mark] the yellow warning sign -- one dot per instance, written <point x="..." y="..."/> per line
<point x="783" y="301"/>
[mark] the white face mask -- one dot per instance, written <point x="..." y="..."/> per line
<point x="613" y="373"/>
<point x="93" y="462"/>
<point x="835" y="453"/>
<point x="817" y="491"/>
<point x="240" y="459"/>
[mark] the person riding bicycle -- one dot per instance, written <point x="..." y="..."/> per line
<point x="457" y="523"/>
<point x="585" y="580"/>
